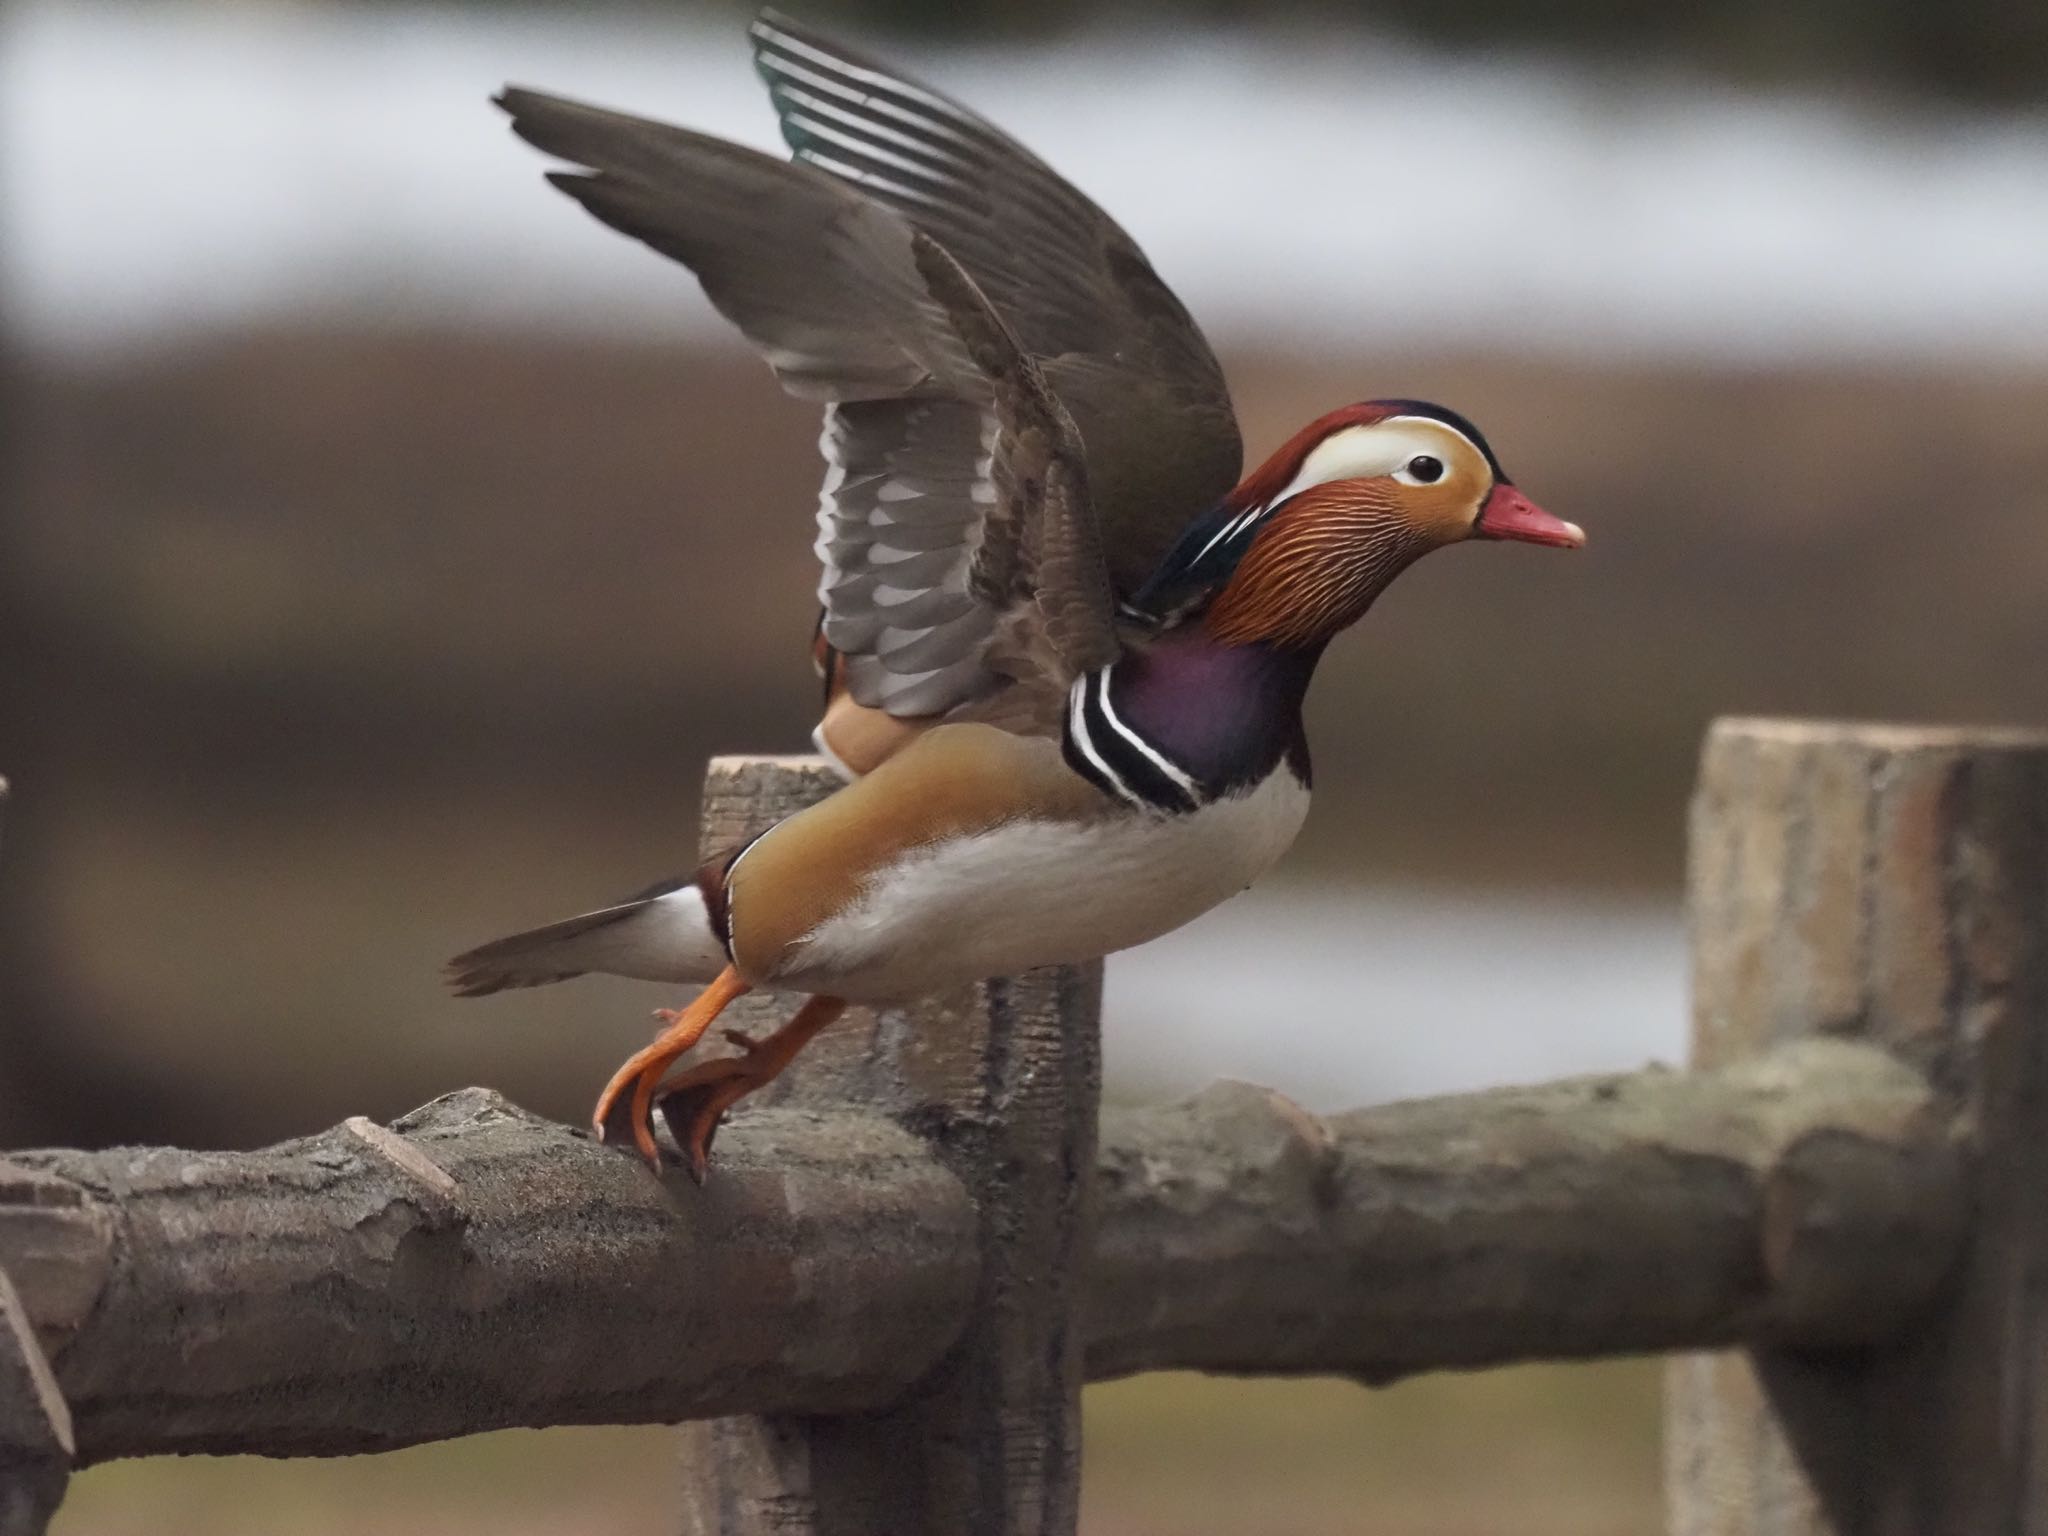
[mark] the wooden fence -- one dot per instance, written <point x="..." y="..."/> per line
<point x="878" y="1315"/>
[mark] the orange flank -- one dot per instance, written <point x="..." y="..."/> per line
<point x="863" y="738"/>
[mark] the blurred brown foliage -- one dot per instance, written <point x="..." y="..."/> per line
<point x="327" y="654"/>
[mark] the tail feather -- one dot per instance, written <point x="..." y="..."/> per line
<point x="663" y="934"/>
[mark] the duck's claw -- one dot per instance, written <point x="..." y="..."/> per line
<point x="696" y="1102"/>
<point x="628" y="1099"/>
<point x="615" y="1117"/>
<point x="696" y="1105"/>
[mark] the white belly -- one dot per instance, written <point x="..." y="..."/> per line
<point x="1033" y="893"/>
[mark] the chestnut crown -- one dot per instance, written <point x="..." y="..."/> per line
<point x="1303" y="545"/>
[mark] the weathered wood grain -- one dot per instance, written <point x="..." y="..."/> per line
<point x="1888" y="886"/>
<point x="329" y="1295"/>
<point x="1599" y="1216"/>
<point x="322" y="1297"/>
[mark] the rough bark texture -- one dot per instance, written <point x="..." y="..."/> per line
<point x="325" y="1296"/>
<point x="1888" y="886"/>
<point x="480" y="1267"/>
<point x="1002" y="1081"/>
<point x="1598" y="1216"/>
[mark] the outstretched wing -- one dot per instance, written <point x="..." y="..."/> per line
<point x="1115" y="345"/>
<point x="955" y="526"/>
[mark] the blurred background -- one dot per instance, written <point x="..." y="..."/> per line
<point x="385" y="545"/>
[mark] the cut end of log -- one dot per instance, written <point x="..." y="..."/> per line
<point x="1872" y="735"/>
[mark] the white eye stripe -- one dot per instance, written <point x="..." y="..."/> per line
<point x="1376" y="448"/>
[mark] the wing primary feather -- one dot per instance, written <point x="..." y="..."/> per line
<point x="862" y="177"/>
<point x="866" y="127"/>
<point x="926" y="278"/>
<point x="772" y="31"/>
<point x="1125" y="359"/>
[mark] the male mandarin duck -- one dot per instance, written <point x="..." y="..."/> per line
<point x="1066" y="647"/>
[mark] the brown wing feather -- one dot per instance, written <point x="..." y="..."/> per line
<point x="1040" y="560"/>
<point x="1116" y="345"/>
<point x="944" y="582"/>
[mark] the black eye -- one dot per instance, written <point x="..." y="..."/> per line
<point x="1426" y="469"/>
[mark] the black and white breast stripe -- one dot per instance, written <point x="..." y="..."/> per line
<point x="1113" y="757"/>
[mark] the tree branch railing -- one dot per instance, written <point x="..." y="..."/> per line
<point x="478" y="1267"/>
<point x="882" y="1315"/>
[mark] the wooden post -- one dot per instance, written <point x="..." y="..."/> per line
<point x="1004" y="1081"/>
<point x="1890" y="886"/>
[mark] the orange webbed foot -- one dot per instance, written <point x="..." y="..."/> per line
<point x="628" y="1099"/>
<point x="695" y="1104"/>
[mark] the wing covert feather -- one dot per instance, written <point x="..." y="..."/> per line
<point x="1128" y="362"/>
<point x="943" y="580"/>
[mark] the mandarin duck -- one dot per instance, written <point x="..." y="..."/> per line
<point x="1066" y="647"/>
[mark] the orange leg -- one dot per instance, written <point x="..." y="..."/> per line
<point x="643" y="1069"/>
<point x="698" y="1099"/>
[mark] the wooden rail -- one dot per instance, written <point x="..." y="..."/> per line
<point x="878" y="1315"/>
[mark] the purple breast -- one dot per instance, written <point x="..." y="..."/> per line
<point x="1224" y="714"/>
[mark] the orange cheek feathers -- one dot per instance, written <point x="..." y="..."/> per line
<point x="1316" y="568"/>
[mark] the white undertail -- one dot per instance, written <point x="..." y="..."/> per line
<point x="664" y="937"/>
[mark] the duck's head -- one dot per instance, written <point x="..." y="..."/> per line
<point x="1302" y="547"/>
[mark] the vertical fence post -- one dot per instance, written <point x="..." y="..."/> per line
<point x="1004" y="1079"/>
<point x="1888" y="885"/>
